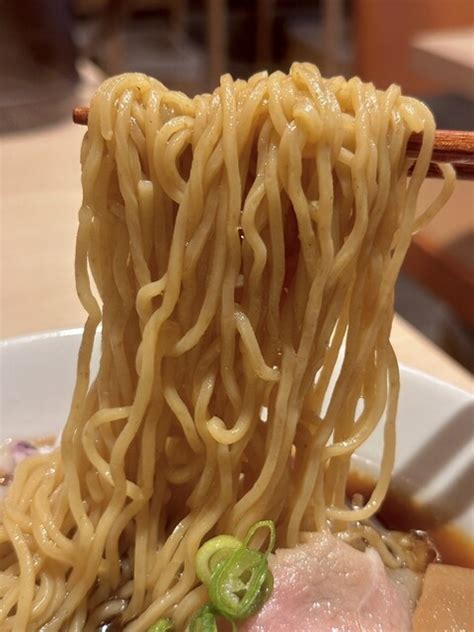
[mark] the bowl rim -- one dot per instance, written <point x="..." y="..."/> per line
<point x="48" y="334"/>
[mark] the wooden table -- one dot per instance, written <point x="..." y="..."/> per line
<point x="40" y="196"/>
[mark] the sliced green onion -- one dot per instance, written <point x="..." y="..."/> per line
<point x="213" y="552"/>
<point x="241" y="584"/>
<point x="237" y="577"/>
<point x="262" y="524"/>
<point x="163" y="625"/>
<point x="204" y="620"/>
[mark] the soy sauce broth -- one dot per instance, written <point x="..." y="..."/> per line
<point x="402" y="513"/>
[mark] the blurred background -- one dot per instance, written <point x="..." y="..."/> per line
<point x="53" y="53"/>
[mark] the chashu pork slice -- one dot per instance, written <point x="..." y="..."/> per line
<point x="326" y="585"/>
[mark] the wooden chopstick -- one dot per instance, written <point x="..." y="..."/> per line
<point x="449" y="146"/>
<point x="80" y="116"/>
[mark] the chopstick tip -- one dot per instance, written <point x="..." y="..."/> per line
<point x="80" y="115"/>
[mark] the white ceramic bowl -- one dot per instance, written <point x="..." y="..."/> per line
<point x="435" y="443"/>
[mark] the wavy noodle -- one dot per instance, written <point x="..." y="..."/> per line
<point x="245" y="246"/>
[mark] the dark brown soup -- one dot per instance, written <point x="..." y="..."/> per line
<point x="402" y="513"/>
